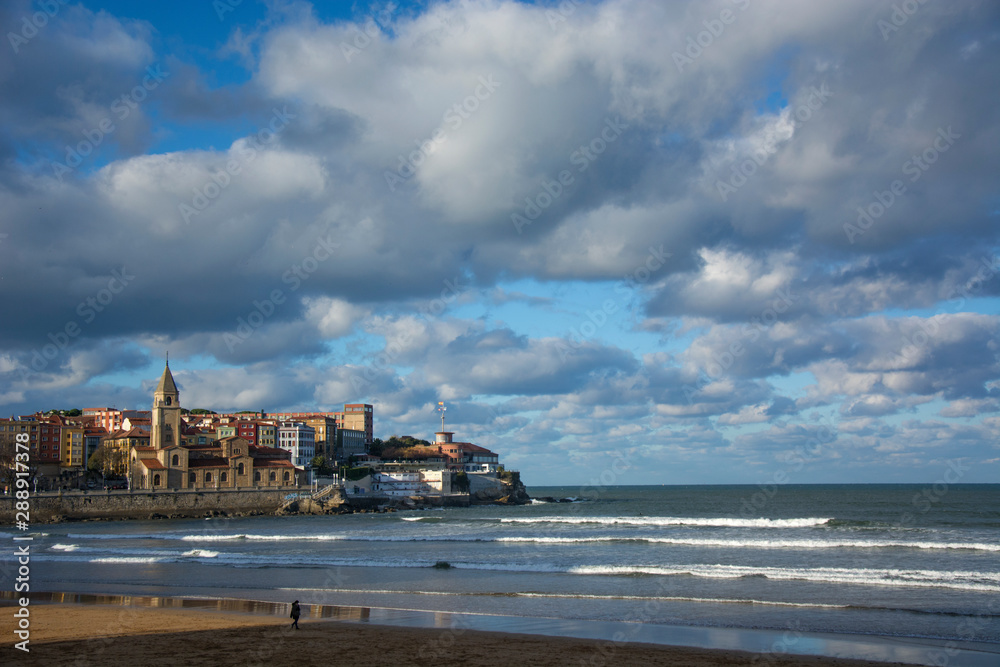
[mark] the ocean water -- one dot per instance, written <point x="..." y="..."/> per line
<point x="893" y="560"/>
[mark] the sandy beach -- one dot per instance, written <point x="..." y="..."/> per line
<point x="70" y="634"/>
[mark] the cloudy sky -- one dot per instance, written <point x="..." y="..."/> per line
<point x="735" y="241"/>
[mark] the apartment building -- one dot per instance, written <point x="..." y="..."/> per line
<point x="299" y="440"/>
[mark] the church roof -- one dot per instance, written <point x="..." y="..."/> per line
<point x="167" y="382"/>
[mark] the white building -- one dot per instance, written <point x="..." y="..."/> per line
<point x="300" y="440"/>
<point x="402" y="480"/>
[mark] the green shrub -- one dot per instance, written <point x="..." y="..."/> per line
<point x="354" y="474"/>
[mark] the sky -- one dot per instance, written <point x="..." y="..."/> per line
<point x="625" y="242"/>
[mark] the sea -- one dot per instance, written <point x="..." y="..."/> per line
<point x="905" y="561"/>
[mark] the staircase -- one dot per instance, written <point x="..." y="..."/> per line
<point x="325" y="491"/>
<point x="319" y="496"/>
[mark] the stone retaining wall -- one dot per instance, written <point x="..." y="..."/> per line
<point x="79" y="505"/>
<point x="46" y="507"/>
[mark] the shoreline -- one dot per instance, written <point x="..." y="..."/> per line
<point x="128" y="616"/>
<point x="158" y="636"/>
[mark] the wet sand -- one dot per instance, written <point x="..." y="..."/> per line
<point x="73" y="634"/>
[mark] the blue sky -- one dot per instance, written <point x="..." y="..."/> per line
<point x="700" y="237"/>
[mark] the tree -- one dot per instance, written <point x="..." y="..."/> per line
<point x="402" y="442"/>
<point x="354" y="474"/>
<point x="106" y="461"/>
<point x="321" y="466"/>
<point x="75" y="412"/>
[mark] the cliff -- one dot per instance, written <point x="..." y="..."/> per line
<point x="507" y="489"/>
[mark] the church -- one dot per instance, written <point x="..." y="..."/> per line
<point x="228" y="463"/>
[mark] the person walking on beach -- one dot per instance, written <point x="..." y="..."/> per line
<point x="295" y="614"/>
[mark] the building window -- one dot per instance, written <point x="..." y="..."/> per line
<point x="175" y="460"/>
<point x="241" y="469"/>
<point x="208" y="478"/>
<point x="256" y="476"/>
<point x="273" y="477"/>
<point x="156" y="479"/>
<point x="191" y="478"/>
<point x="224" y="477"/>
<point x="168" y="400"/>
<point x="285" y="476"/>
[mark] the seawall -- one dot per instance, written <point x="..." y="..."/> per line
<point x="78" y="505"/>
<point x="182" y="503"/>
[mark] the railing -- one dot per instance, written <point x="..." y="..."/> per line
<point x="325" y="491"/>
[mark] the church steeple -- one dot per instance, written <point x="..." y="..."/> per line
<point x="166" y="412"/>
<point x="167" y="385"/>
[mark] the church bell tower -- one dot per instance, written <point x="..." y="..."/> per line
<point x="166" y="412"/>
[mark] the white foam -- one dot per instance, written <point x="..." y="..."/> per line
<point x="760" y="543"/>
<point x="962" y="580"/>
<point x="676" y="521"/>
<point x="64" y="547"/>
<point x="201" y="553"/>
<point x="259" y="538"/>
<point x="127" y="560"/>
<point x="111" y="536"/>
